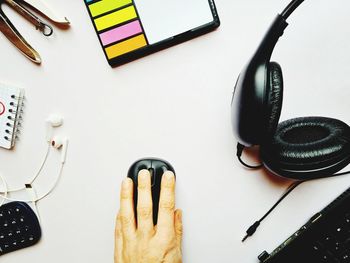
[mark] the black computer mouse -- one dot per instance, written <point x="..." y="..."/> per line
<point x="157" y="168"/>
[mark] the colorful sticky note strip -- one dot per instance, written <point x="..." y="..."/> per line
<point x="126" y="46"/>
<point x="118" y="26"/>
<point x="115" y="18"/>
<point x="104" y="6"/>
<point x="120" y="33"/>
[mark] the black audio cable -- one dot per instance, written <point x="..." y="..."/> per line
<point x="252" y="229"/>
<point x="240" y="149"/>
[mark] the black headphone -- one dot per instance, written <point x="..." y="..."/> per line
<point x="302" y="148"/>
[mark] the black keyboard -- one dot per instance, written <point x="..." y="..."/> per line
<point x="334" y="245"/>
<point x="324" y="238"/>
<point x="19" y="227"/>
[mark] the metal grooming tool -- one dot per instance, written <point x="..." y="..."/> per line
<point x="24" y="7"/>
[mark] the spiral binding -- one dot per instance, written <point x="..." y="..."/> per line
<point x="14" y="118"/>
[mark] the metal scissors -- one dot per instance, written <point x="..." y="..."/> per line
<point x="22" y="7"/>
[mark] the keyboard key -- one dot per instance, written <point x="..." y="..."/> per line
<point x="327" y="239"/>
<point x="326" y="257"/>
<point x="336" y="248"/>
<point x="345" y="258"/>
<point x="341" y="234"/>
<point x="346" y="225"/>
<point x="318" y="253"/>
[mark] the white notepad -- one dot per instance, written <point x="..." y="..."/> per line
<point x="163" y="19"/>
<point x="11" y="104"/>
<point x="130" y="29"/>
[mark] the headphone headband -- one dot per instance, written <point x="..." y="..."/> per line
<point x="249" y="117"/>
<point x="249" y="120"/>
<point x="291" y="8"/>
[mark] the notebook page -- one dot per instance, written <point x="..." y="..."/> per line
<point x="9" y="101"/>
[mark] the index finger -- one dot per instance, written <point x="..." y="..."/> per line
<point x="167" y="204"/>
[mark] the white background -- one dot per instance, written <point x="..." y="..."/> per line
<point x="174" y="104"/>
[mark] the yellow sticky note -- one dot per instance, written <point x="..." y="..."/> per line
<point x="105" y="6"/>
<point x="115" y="18"/>
<point x="126" y="46"/>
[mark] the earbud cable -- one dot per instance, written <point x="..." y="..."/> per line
<point x="43" y="195"/>
<point x="4" y="194"/>
<point x="36" y="175"/>
<point x="4" y="183"/>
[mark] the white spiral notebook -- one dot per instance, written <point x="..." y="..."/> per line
<point x="11" y="107"/>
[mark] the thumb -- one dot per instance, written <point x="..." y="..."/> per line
<point x="178" y="227"/>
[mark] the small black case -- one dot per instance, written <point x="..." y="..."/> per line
<point x="19" y="227"/>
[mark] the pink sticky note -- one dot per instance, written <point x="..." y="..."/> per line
<point x="121" y="33"/>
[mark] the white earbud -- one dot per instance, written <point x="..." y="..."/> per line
<point x="58" y="143"/>
<point x="54" y="121"/>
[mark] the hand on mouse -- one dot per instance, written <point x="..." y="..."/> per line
<point x="146" y="243"/>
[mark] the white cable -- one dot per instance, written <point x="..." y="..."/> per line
<point x="5" y="190"/>
<point x="42" y="164"/>
<point x="36" y="175"/>
<point x="4" y="197"/>
<point x="32" y="192"/>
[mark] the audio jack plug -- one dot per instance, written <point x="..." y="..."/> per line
<point x="251" y="230"/>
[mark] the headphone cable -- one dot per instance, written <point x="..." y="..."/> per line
<point x="240" y="149"/>
<point x="252" y="229"/>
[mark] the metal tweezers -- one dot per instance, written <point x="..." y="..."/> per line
<point x="21" y="6"/>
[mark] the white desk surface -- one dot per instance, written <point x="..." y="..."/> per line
<point x="174" y="104"/>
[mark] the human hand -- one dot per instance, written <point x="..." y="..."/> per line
<point x="146" y="243"/>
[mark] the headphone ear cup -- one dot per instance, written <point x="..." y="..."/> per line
<point x="274" y="97"/>
<point x="308" y="148"/>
